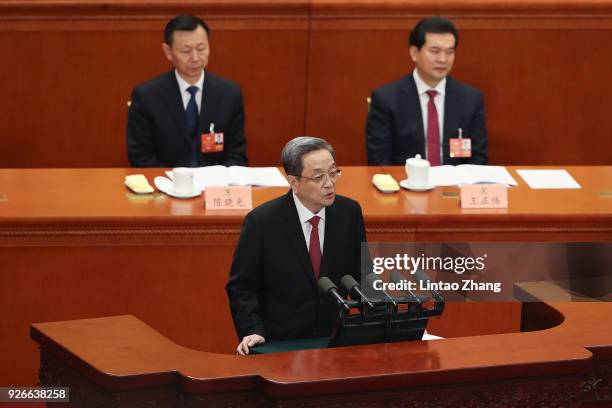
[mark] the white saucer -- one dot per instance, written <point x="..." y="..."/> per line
<point x="165" y="186"/>
<point x="407" y="185"/>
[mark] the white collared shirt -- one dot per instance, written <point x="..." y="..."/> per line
<point x="422" y="89"/>
<point x="185" y="95"/>
<point x="305" y="214"/>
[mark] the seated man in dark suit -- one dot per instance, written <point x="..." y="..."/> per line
<point x="422" y="112"/>
<point x="287" y="243"/>
<point x="187" y="117"/>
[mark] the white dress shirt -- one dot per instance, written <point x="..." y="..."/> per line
<point x="185" y="95"/>
<point x="422" y="89"/>
<point x="305" y="214"/>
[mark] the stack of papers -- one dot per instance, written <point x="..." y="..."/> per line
<point x="470" y="174"/>
<point x="236" y="176"/>
<point x="548" y="179"/>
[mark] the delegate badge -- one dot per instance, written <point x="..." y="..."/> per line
<point x="212" y="142"/>
<point x="460" y="146"/>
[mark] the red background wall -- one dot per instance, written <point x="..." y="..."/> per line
<point x="306" y="67"/>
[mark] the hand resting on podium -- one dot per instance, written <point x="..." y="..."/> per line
<point x="249" y="341"/>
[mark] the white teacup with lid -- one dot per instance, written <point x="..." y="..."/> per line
<point x="182" y="180"/>
<point x="417" y="171"/>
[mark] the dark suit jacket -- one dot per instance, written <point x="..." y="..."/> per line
<point x="157" y="133"/>
<point x="271" y="288"/>
<point x="394" y="130"/>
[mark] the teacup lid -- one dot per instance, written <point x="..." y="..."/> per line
<point x="417" y="161"/>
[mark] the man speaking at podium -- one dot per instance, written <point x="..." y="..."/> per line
<point x="427" y="112"/>
<point x="187" y="117"/>
<point x="287" y="243"/>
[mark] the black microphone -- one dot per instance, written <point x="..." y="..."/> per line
<point x="370" y="279"/>
<point x="351" y="286"/>
<point x="398" y="278"/>
<point x="327" y="288"/>
<point x="422" y="276"/>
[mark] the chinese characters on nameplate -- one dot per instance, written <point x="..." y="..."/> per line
<point x="484" y="196"/>
<point x="229" y="198"/>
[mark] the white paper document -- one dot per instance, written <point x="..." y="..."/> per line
<point x="236" y="176"/>
<point x="427" y="336"/>
<point x="548" y="179"/>
<point x="469" y="174"/>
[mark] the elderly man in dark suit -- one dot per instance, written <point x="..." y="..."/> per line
<point x="187" y="117"/>
<point x="422" y="112"/>
<point x="287" y="243"/>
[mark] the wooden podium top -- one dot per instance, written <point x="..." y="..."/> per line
<point x="122" y="353"/>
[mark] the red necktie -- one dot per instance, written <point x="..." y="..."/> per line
<point x="433" y="130"/>
<point x="315" y="247"/>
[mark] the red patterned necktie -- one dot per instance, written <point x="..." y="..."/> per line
<point x="433" y="130"/>
<point x="315" y="247"/>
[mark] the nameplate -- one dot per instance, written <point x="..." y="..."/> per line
<point x="484" y="196"/>
<point x="228" y="198"/>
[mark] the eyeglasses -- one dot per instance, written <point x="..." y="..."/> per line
<point x="320" y="178"/>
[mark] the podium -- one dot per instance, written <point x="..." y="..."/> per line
<point x="120" y="361"/>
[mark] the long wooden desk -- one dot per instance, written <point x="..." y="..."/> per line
<point x="120" y="361"/>
<point x="76" y="244"/>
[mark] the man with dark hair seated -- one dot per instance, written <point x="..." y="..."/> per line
<point x="187" y="117"/>
<point x="427" y="112"/>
